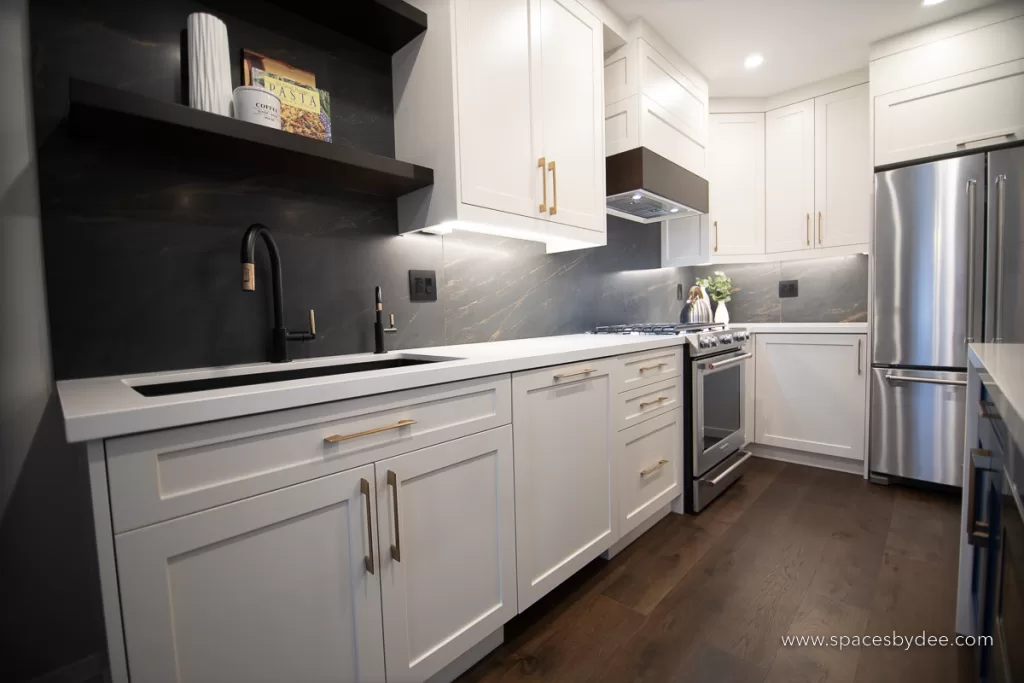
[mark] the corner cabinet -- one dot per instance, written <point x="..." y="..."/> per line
<point x="789" y="177"/>
<point x="565" y="516"/>
<point x="271" y="588"/>
<point x="811" y="393"/>
<point x="506" y="100"/>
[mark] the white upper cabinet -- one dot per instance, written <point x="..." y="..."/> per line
<point x="789" y="177"/>
<point x="950" y="87"/>
<point x="497" y="150"/>
<point x="493" y="88"/>
<point x="447" y="544"/>
<point x="655" y="100"/>
<point x="842" y="168"/>
<point x="283" y="586"/>
<point x="737" y="184"/>
<point x="571" y="103"/>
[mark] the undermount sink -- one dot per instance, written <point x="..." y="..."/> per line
<point x="283" y="375"/>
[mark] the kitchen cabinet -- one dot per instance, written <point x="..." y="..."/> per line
<point x="565" y="509"/>
<point x="842" y="168"/>
<point x="446" y="516"/>
<point x="649" y="468"/>
<point x="277" y="587"/>
<point x="789" y="177"/>
<point x="737" y="184"/>
<point x="810" y="393"/>
<point x="951" y="87"/>
<point x="505" y="98"/>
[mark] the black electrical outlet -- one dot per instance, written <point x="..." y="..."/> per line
<point x="788" y="289"/>
<point x="422" y="285"/>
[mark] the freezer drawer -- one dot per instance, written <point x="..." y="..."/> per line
<point x="917" y="424"/>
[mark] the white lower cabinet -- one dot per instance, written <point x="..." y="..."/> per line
<point x="278" y="587"/>
<point x="810" y="392"/>
<point x="565" y="513"/>
<point x="447" y="543"/>
<point x="649" y="470"/>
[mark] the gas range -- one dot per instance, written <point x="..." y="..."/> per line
<point x="703" y="339"/>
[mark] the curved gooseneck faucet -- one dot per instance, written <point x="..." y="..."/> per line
<point x="281" y="336"/>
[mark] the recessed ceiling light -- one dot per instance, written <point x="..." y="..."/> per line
<point x="928" y="3"/>
<point x="637" y="197"/>
<point x="753" y="61"/>
<point x="674" y="209"/>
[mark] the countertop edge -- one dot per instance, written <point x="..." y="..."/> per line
<point x="1001" y="368"/>
<point x="106" y="407"/>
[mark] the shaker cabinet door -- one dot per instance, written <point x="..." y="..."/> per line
<point x="842" y="168"/>
<point x="498" y="147"/>
<point x="447" y="530"/>
<point x="789" y="177"/>
<point x="736" y="184"/>
<point x="570" y="47"/>
<point x="284" y="586"/>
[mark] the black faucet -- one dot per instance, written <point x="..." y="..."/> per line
<point x="281" y="335"/>
<point x="378" y="325"/>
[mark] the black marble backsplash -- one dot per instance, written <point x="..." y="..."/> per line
<point x="142" y="251"/>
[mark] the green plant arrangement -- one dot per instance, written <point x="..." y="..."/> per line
<point x="718" y="286"/>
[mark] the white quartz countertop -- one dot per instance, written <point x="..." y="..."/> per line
<point x="103" y="407"/>
<point x="1001" y="369"/>
<point x="806" y="328"/>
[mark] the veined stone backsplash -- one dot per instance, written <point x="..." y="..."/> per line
<point x="830" y="290"/>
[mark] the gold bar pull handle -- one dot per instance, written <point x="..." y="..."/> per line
<point x="542" y="164"/>
<point x="660" y="399"/>
<point x="312" y="323"/>
<point x="554" y="188"/>
<point x="860" y="353"/>
<point x="808" y="229"/>
<point x="566" y="375"/>
<point x="364" y="488"/>
<point x="819" y="227"/>
<point x="651" y="470"/>
<point x="657" y="366"/>
<point x="977" y="532"/>
<point x="396" y="547"/>
<point x="337" y="438"/>
<point x="716" y="236"/>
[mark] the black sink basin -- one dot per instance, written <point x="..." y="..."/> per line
<point x="207" y="383"/>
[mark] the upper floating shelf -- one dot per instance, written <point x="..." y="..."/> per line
<point x="143" y="123"/>
<point x="386" y="25"/>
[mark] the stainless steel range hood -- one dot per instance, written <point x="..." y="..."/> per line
<point x="646" y="187"/>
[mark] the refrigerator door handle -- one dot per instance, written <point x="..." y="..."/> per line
<point x="1000" y="230"/>
<point x="972" y="193"/>
<point x="927" y="380"/>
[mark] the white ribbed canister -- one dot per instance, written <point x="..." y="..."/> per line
<point x="209" y="64"/>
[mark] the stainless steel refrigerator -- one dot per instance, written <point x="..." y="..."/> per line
<point x="947" y="259"/>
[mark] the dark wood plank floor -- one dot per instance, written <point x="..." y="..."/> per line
<point x="787" y="550"/>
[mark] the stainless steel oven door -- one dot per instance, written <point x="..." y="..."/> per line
<point x="717" y="408"/>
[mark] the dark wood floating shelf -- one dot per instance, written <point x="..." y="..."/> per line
<point x="386" y="25"/>
<point x="142" y="123"/>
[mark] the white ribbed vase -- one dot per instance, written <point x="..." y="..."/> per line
<point x="209" y="64"/>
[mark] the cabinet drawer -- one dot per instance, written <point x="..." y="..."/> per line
<point x="166" y="474"/>
<point x="650" y="461"/>
<point x="636" y="405"/>
<point x="648" y="367"/>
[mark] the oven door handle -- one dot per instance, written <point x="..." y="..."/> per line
<point x="732" y="468"/>
<point x="716" y="365"/>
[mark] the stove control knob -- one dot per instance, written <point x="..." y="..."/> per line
<point x="727" y="339"/>
<point x="703" y="342"/>
<point x="713" y="341"/>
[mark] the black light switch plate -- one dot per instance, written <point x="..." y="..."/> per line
<point x="422" y="285"/>
<point x="788" y="289"/>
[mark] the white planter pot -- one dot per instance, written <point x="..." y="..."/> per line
<point x="721" y="313"/>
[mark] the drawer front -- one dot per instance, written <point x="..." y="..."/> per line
<point x="166" y="474"/>
<point x="650" y="467"/>
<point x="563" y="375"/>
<point x="641" y="369"/>
<point x="636" y="405"/>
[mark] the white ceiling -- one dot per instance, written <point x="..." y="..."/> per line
<point x="802" y="40"/>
